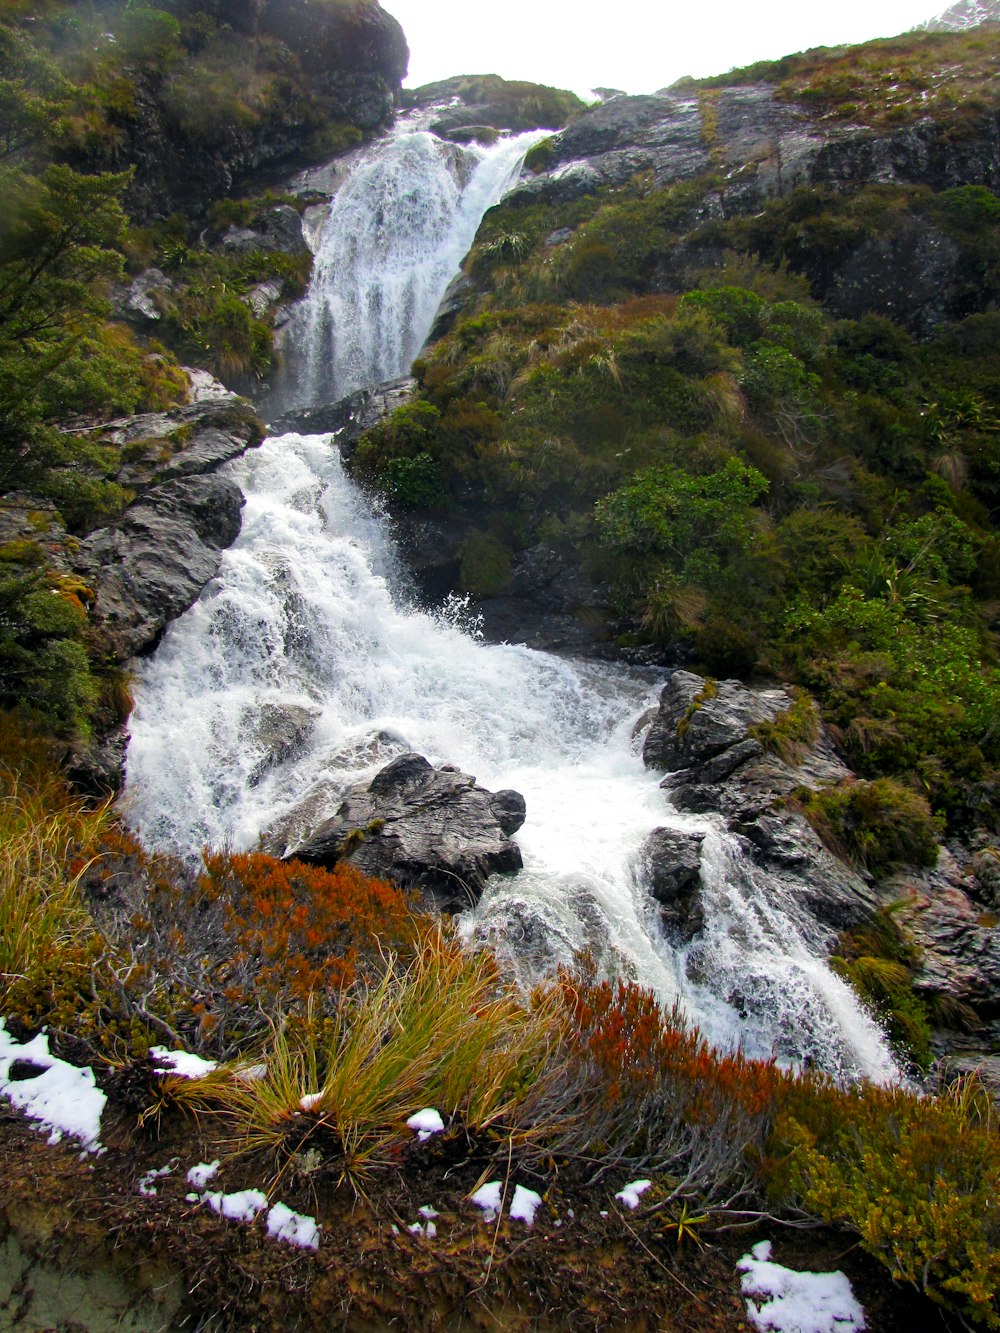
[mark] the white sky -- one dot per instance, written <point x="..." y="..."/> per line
<point x="637" y="45"/>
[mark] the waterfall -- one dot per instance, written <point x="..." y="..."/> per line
<point x="304" y="668"/>
<point x="397" y="233"/>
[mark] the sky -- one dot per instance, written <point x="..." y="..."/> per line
<point x="635" y="45"/>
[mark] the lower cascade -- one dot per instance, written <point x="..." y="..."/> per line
<point x="304" y="668"/>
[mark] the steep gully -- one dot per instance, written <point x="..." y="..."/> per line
<point x="306" y="666"/>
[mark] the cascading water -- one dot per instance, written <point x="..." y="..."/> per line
<point x="397" y="233"/>
<point x="303" y="669"/>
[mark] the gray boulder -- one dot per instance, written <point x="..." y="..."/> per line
<point x="699" y="719"/>
<point x="152" y="565"/>
<point x="670" y="864"/>
<point x="422" y="827"/>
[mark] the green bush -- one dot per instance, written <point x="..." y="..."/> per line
<point x="880" y="824"/>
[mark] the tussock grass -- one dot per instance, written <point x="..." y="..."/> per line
<point x="45" y="837"/>
<point x="445" y="1031"/>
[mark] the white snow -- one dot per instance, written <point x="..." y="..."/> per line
<point x="525" y="1204"/>
<point x="200" y="1175"/>
<point x="788" y="1302"/>
<point x="146" y="1186"/>
<point x="310" y="1100"/>
<point x="488" y="1198"/>
<point x="64" y="1099"/>
<point x="292" y="1228"/>
<point x="426" y="1122"/>
<point x="630" y="1194"/>
<point x="428" y="1212"/>
<point x="182" y="1063"/>
<point x="242" y="1206"/>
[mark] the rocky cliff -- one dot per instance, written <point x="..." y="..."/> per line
<point x="245" y="90"/>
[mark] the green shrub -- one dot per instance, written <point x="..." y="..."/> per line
<point x="916" y="1179"/>
<point x="879" y="824"/>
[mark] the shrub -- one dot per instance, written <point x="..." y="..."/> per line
<point x="295" y="929"/>
<point x="654" y="1096"/>
<point x="879" y="824"/>
<point x="916" y="1178"/>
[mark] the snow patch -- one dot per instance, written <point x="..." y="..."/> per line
<point x="146" y="1185"/>
<point x="292" y="1228"/>
<point x="488" y="1198"/>
<point x="791" y="1302"/>
<point x="200" y="1175"/>
<point x="525" y="1204"/>
<point x="63" y="1098"/>
<point x="630" y="1194"/>
<point x="181" y="1063"/>
<point x="310" y="1100"/>
<point x="425" y="1123"/>
<point x="243" y="1206"/>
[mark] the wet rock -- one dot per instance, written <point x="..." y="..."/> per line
<point x="152" y="565"/>
<point x="670" y="863"/>
<point x="509" y="810"/>
<point x="422" y="827"/>
<point x="280" y="731"/>
<point x="699" y="719"/>
<point x="350" y="417"/>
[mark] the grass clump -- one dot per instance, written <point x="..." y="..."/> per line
<point x="789" y="733"/>
<point x="47" y="837"/>
<point x="880" y="825"/>
<point x="445" y="1031"/>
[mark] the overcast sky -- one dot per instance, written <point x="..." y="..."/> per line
<point x="637" y="45"/>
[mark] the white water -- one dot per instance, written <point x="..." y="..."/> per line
<point x="397" y="233"/>
<point x="309" y="613"/>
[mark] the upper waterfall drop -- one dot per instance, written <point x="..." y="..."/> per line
<point x="396" y="235"/>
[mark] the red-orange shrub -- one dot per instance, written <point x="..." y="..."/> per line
<point x="306" y="928"/>
<point x="658" y="1097"/>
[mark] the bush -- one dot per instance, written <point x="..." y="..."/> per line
<point x="879" y="824"/>
<point x="917" y="1179"/>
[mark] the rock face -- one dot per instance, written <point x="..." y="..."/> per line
<point x="763" y="147"/>
<point x="959" y="939"/>
<point x="700" y="734"/>
<point x="318" y="67"/>
<point x="422" y="827"/>
<point x="152" y="564"/>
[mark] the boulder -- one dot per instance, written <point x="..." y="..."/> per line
<point x="422" y="827"/>
<point x="699" y="719"/>
<point x="349" y="417"/>
<point x="152" y="565"/>
<point x="670" y="863"/>
<point x="280" y="731"/>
